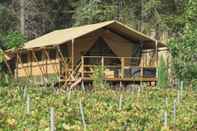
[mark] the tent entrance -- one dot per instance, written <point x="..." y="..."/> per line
<point x="101" y="48"/>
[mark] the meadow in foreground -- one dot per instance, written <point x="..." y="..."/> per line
<point x="103" y="109"/>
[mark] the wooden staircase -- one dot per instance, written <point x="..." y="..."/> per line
<point x="74" y="77"/>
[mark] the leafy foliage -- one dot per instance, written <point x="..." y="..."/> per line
<point x="139" y="112"/>
<point x="162" y="74"/>
<point x="98" y="76"/>
<point x="14" y="39"/>
<point x="1" y="55"/>
<point x="145" y="15"/>
<point x="93" y="11"/>
<point x="184" y="48"/>
<point x="11" y="40"/>
<point x="8" y="20"/>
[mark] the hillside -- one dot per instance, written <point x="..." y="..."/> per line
<point x="103" y="109"/>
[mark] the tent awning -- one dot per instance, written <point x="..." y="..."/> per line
<point x="62" y="36"/>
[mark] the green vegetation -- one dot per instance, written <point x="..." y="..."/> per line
<point x="98" y="76"/>
<point x="14" y="40"/>
<point x="44" y="16"/>
<point x="11" y="40"/>
<point x="184" y="48"/>
<point x="140" y="110"/>
<point x="162" y="74"/>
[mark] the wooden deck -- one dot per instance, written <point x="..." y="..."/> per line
<point x="116" y="69"/>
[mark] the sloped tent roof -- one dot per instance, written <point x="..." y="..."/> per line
<point x="62" y="36"/>
<point x="58" y="37"/>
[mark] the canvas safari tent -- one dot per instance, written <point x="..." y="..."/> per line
<point x="71" y="55"/>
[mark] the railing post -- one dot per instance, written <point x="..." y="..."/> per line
<point x="72" y="55"/>
<point x="141" y="73"/>
<point x="157" y="60"/>
<point x="82" y="66"/>
<point x="102" y="62"/>
<point x="122" y="67"/>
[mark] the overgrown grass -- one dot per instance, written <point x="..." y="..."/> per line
<point x="140" y="110"/>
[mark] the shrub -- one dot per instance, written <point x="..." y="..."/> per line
<point x="162" y="74"/>
<point x="98" y="76"/>
<point x="14" y="40"/>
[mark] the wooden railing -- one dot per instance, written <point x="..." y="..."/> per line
<point x="117" y="67"/>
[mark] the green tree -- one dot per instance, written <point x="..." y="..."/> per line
<point x="93" y="11"/>
<point x="14" y="40"/>
<point x="8" y="20"/>
<point x="184" y="47"/>
<point x="162" y="74"/>
<point x="98" y="77"/>
<point x="1" y="55"/>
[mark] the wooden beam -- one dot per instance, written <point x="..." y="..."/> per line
<point x="72" y="56"/>
<point x="36" y="60"/>
<point x="122" y="67"/>
<point x="60" y="54"/>
<point x="157" y="60"/>
<point x="8" y="66"/>
<point x="156" y="51"/>
<point x="58" y="58"/>
<point x="46" y="65"/>
<point x="82" y="66"/>
<point x="16" y="75"/>
<point x="30" y="63"/>
<point x="19" y="60"/>
<point x="48" y="57"/>
<point x="102" y="62"/>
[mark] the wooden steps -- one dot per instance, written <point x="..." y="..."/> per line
<point x="76" y="83"/>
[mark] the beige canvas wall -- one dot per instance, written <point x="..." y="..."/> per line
<point x="119" y="45"/>
<point x="38" y="68"/>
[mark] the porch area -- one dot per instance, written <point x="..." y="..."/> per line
<point x="115" y="69"/>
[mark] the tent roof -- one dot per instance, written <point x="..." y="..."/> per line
<point x="62" y="36"/>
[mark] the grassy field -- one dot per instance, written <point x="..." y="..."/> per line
<point x="104" y="109"/>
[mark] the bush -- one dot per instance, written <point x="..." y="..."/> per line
<point x="184" y="48"/>
<point x="14" y="40"/>
<point x="162" y="74"/>
<point x="98" y="76"/>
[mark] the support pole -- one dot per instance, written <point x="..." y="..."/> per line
<point x="7" y="65"/>
<point x="102" y="62"/>
<point x="30" y="63"/>
<point x="157" y="60"/>
<point x="36" y="59"/>
<point x="72" y="54"/>
<point x="16" y="74"/>
<point x="82" y="64"/>
<point x="122" y="67"/>
<point x="156" y="51"/>
<point x="60" y="54"/>
<point x="23" y="67"/>
<point x="46" y="63"/>
<point x="53" y="65"/>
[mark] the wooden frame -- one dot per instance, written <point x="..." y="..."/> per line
<point x="122" y="67"/>
<point x="72" y="55"/>
<point x="79" y="72"/>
